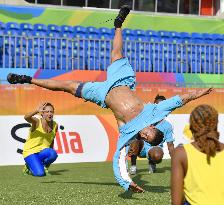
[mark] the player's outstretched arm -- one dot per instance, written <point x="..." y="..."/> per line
<point x="194" y="95"/>
<point x="121" y="171"/>
<point x="135" y="188"/>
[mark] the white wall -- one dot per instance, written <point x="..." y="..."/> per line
<point x="81" y="139"/>
<point x="14" y="2"/>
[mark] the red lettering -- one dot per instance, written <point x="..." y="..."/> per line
<point x="61" y="144"/>
<point x="65" y="142"/>
<point x="59" y="149"/>
<point x="76" y="143"/>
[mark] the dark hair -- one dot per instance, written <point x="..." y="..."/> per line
<point x="159" y="97"/>
<point x="203" y="125"/>
<point x="158" y="138"/>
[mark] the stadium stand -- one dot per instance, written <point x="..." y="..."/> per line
<point x="65" y="47"/>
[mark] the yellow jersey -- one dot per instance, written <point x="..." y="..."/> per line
<point x="39" y="140"/>
<point x="204" y="183"/>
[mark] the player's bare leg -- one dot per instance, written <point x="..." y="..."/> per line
<point x="55" y="85"/>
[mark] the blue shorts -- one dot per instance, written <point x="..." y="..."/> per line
<point x="119" y="73"/>
<point x="145" y="150"/>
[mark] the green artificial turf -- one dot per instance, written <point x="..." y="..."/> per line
<point x="83" y="183"/>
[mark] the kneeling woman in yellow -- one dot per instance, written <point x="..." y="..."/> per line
<point x="197" y="176"/>
<point x="38" y="150"/>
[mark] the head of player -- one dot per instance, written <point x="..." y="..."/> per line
<point x="47" y="112"/>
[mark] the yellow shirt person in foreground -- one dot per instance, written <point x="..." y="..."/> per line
<point x="197" y="176"/>
<point x="38" y="150"/>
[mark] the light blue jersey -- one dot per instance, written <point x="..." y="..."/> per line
<point x="120" y="73"/>
<point x="167" y="129"/>
<point x="151" y="114"/>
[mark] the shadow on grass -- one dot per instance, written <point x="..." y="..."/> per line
<point x="158" y="170"/>
<point x="145" y="185"/>
<point x="58" y="172"/>
<point x="79" y="182"/>
<point x="125" y="195"/>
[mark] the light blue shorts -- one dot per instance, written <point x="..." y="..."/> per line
<point x="145" y="150"/>
<point x="119" y="73"/>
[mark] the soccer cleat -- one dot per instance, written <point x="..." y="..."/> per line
<point x="21" y="79"/>
<point x="47" y="173"/>
<point x="124" y="11"/>
<point x="152" y="168"/>
<point x="133" y="170"/>
<point x="26" y="170"/>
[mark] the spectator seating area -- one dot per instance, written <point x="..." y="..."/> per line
<point x="66" y="47"/>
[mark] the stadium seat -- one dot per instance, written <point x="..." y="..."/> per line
<point x="7" y="61"/>
<point x="6" y="54"/>
<point x="186" y="37"/>
<point x="2" y="26"/>
<point x="79" y="60"/>
<point x="26" y="26"/>
<point x="1" y="38"/>
<point x="92" y="30"/>
<point x="105" y="37"/>
<point x="145" y="66"/>
<point x="65" y="43"/>
<point x="40" y="27"/>
<point x="198" y="36"/>
<point x="141" y="39"/>
<point x="208" y="38"/>
<point x="105" y="45"/>
<point x="80" y="35"/>
<point x="93" y="63"/>
<point x="154" y="39"/>
<point x="22" y="42"/>
<point x="80" y="30"/>
<point x="27" y="33"/>
<point x="139" y="33"/>
<point x="207" y="64"/>
<point x="105" y="33"/>
<point x="92" y="36"/>
<point x="104" y="62"/>
<point x="9" y="42"/>
<point x="39" y="43"/>
<point x="90" y="47"/>
<point x="104" y="30"/>
<point x="128" y="33"/>
<point x="12" y="26"/>
<point x="20" y="58"/>
<point x="165" y="35"/>
<point x="66" y="35"/>
<point x="144" y="63"/>
<point x="65" y="59"/>
<point x="151" y="33"/>
<point x="218" y="38"/>
<point x="67" y="29"/>
<point x="53" y="34"/>
<point x="54" y="28"/>
<point x="39" y="33"/>
<point x="158" y="63"/>
<point x="50" y="60"/>
<point x="175" y="35"/>
<point x="170" y="65"/>
<point x="35" y="58"/>
<point x="11" y="32"/>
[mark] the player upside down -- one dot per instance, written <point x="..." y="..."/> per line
<point x="133" y="116"/>
<point x="154" y="154"/>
